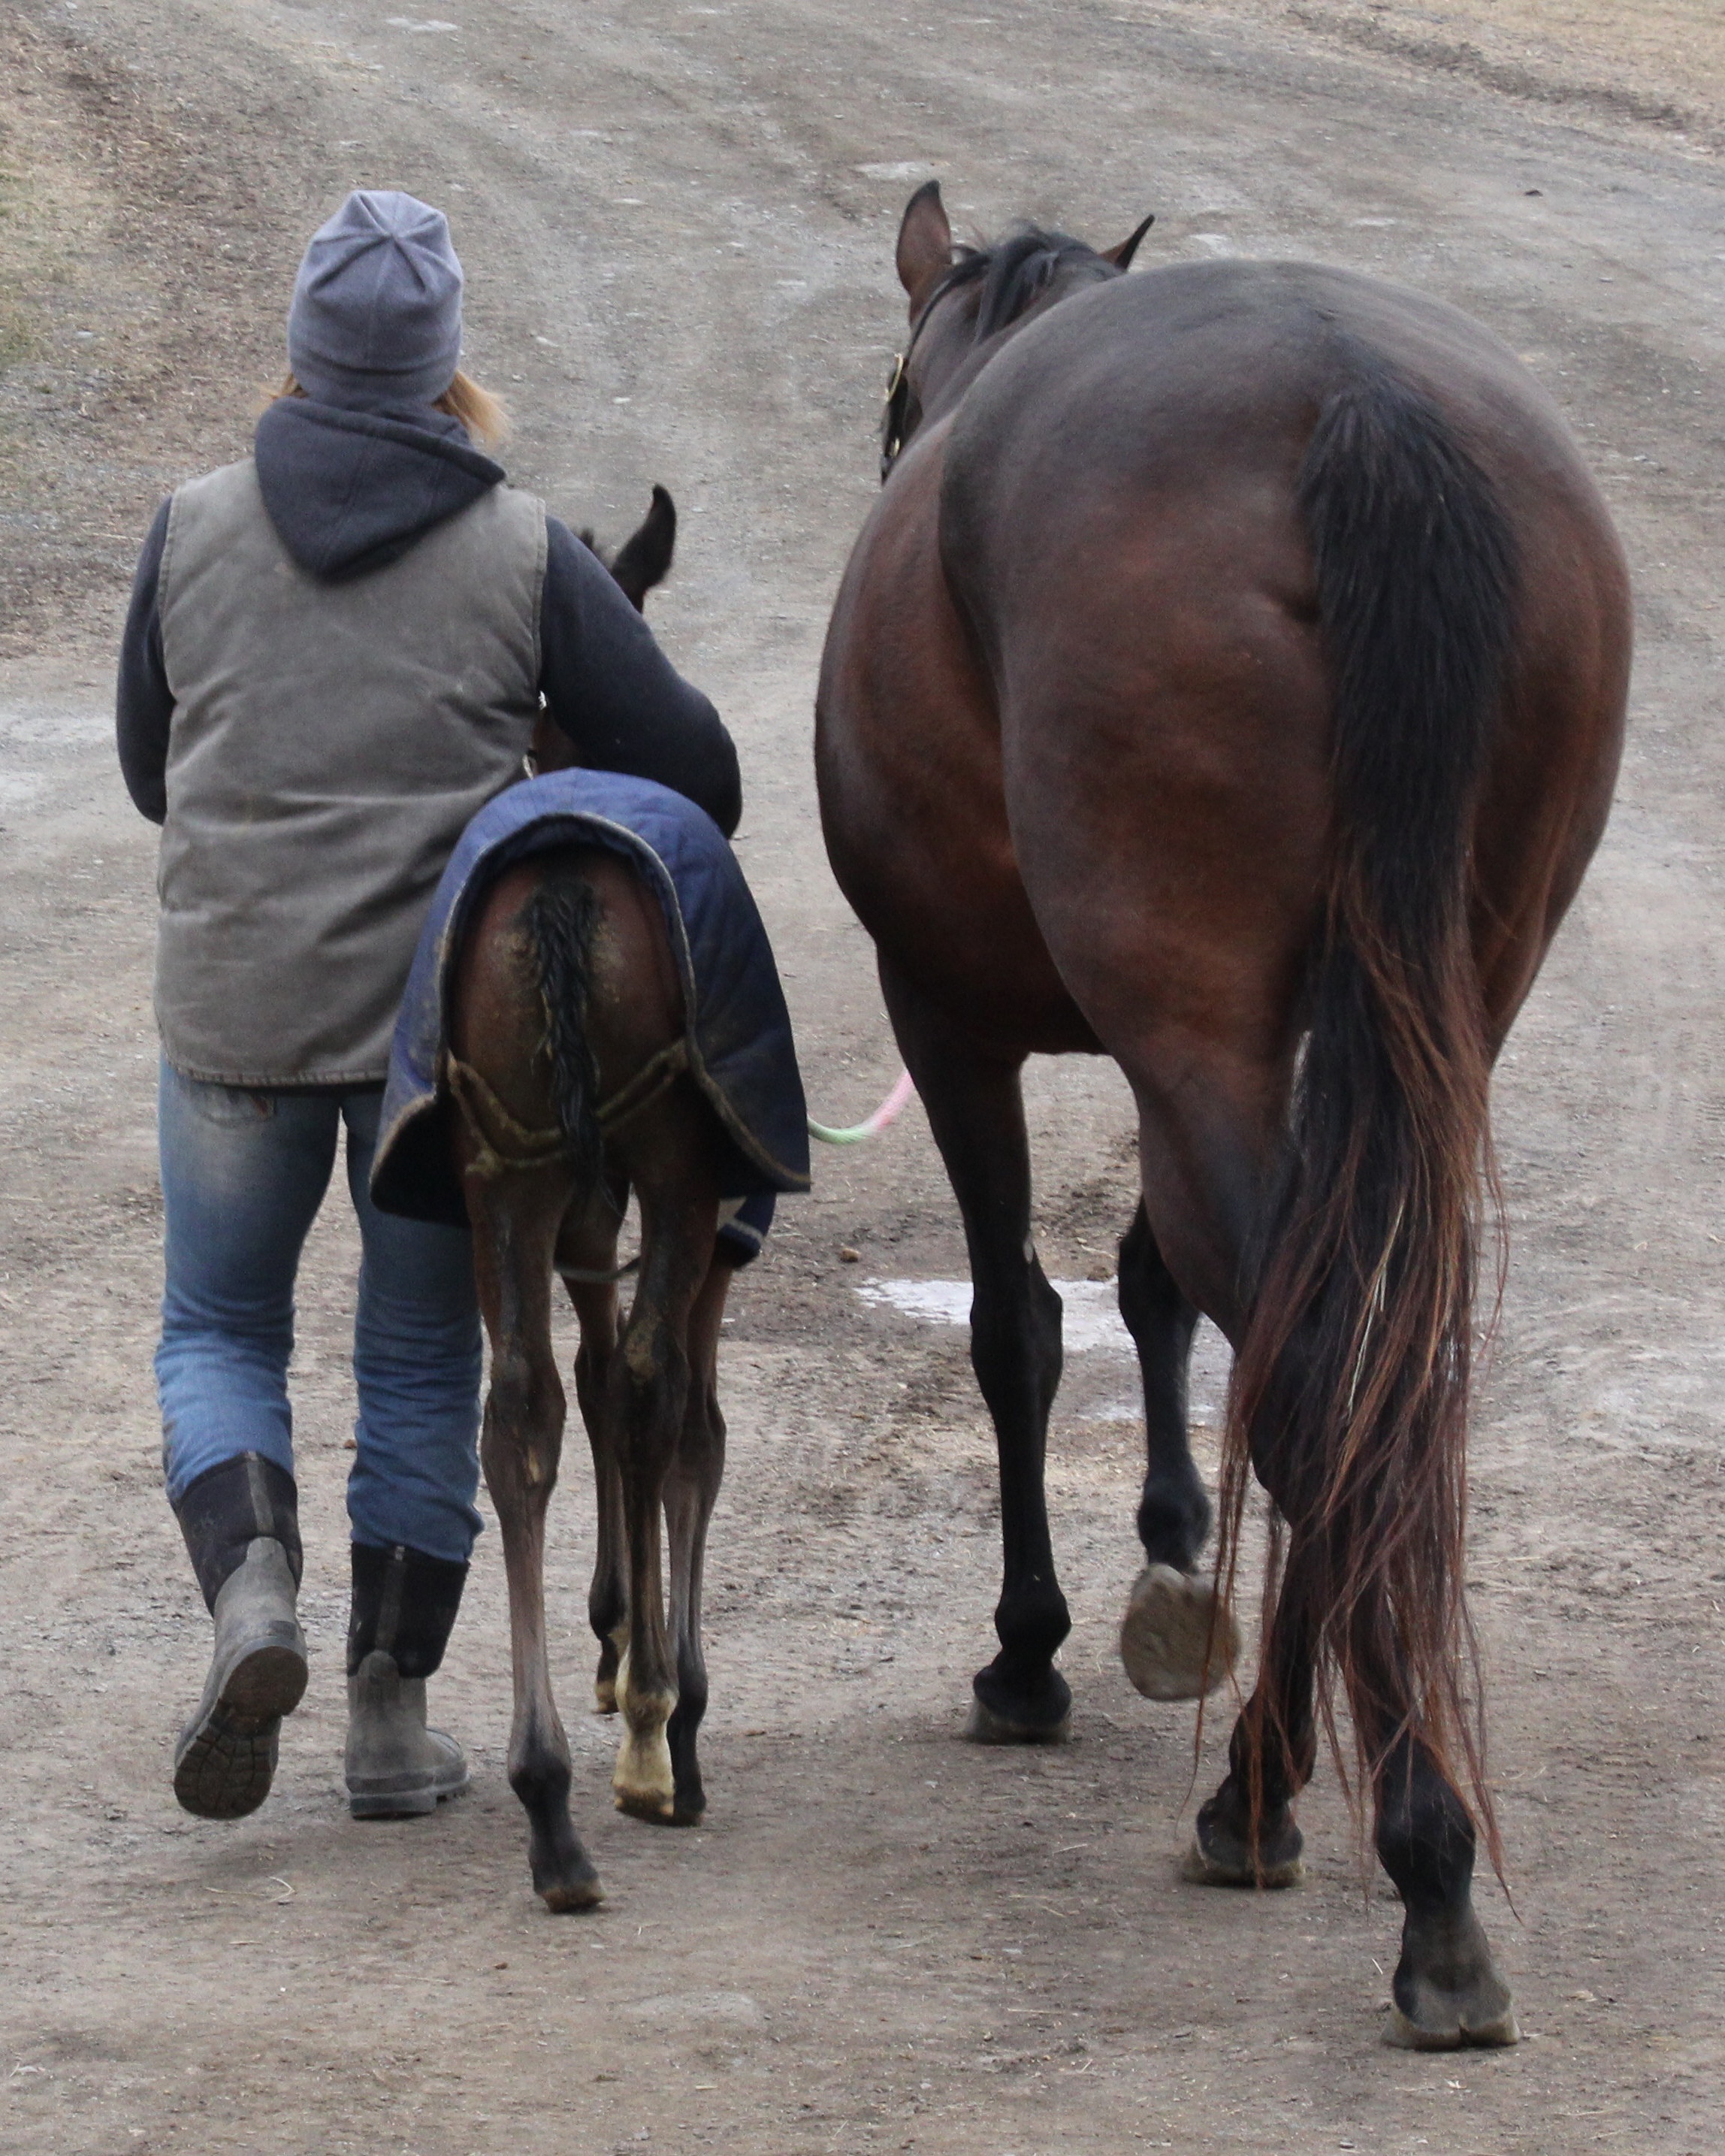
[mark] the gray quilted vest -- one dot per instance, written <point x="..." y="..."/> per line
<point x="329" y="743"/>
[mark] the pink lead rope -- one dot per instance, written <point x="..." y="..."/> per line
<point x="884" y="1114"/>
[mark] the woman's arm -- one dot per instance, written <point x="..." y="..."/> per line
<point x="143" y="703"/>
<point x="613" y="692"/>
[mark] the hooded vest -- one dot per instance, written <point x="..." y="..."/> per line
<point x="329" y="743"/>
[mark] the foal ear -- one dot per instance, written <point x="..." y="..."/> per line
<point x="644" y="559"/>
<point x="1121" y="256"/>
<point x="924" y="241"/>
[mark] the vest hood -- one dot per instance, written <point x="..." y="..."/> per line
<point x="350" y="491"/>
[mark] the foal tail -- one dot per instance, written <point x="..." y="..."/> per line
<point x="1352" y="1382"/>
<point x="561" y="916"/>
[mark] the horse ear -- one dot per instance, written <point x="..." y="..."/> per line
<point x="924" y="241"/>
<point x="1121" y="256"/>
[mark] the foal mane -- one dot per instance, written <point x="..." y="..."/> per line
<point x="1015" y="270"/>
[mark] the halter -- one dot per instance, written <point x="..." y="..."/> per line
<point x="898" y="397"/>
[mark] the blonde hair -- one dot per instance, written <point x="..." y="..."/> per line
<point x="484" y="415"/>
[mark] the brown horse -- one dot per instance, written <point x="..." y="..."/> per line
<point x="1230" y="679"/>
<point x="567" y="1008"/>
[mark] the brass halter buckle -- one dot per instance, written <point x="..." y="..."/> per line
<point x="897" y="398"/>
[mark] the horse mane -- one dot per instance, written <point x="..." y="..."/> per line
<point x="1013" y="271"/>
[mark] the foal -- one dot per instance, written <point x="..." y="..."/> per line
<point x="565" y="1023"/>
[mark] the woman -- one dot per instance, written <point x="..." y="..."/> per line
<point x="335" y="655"/>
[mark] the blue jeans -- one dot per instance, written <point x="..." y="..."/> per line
<point x="243" y="1175"/>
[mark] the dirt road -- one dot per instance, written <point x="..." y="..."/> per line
<point x="678" y="224"/>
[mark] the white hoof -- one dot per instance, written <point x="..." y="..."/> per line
<point x="1176" y="1640"/>
<point x="642" y="1783"/>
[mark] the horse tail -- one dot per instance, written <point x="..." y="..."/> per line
<point x="1351" y="1385"/>
<point x="562" y="916"/>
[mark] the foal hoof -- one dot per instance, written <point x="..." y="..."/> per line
<point x="983" y="1726"/>
<point x="1447" y="1993"/>
<point x="563" y="1874"/>
<point x="649" y="1806"/>
<point x="642" y="1783"/>
<point x="1177" y="1640"/>
<point x="570" y="1896"/>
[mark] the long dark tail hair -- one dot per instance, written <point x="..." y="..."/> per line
<point x="561" y="916"/>
<point x="1351" y="1385"/>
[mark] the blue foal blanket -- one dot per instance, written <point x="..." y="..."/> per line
<point x="740" y="1049"/>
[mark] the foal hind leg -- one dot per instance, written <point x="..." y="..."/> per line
<point x="515" y="1219"/>
<point x="1176" y="1641"/>
<point x="977" y="1111"/>
<point x="691" y="1491"/>
<point x="596" y="1305"/>
<point x="649" y="1393"/>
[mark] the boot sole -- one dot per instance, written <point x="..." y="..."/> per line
<point x="225" y="1760"/>
<point x="401" y="1803"/>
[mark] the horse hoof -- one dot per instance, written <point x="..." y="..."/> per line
<point x="1177" y="1640"/>
<point x="984" y="1726"/>
<point x="605" y="1695"/>
<point x="1198" y="1869"/>
<point x="647" y="1804"/>
<point x="1495" y="2035"/>
<point x="571" y="1894"/>
<point x="1447" y="1993"/>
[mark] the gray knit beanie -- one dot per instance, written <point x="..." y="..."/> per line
<point x="377" y="311"/>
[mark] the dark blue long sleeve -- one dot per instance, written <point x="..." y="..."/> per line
<point x="143" y="703"/>
<point x="613" y="692"/>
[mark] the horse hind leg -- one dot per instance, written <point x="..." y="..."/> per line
<point x="1177" y="1640"/>
<point x="691" y="1491"/>
<point x="1447" y="1992"/>
<point x="1245" y="1835"/>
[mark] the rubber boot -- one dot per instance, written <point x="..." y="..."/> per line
<point x="404" y="1609"/>
<point x="241" y="1527"/>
